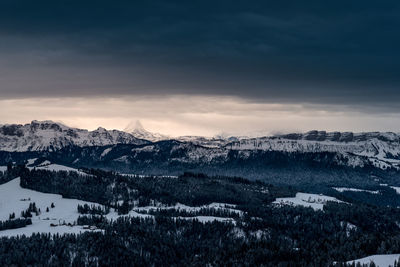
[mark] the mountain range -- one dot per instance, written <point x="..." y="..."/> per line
<point x="280" y="155"/>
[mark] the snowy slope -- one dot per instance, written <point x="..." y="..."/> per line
<point x="314" y="201"/>
<point x="14" y="198"/>
<point x="50" y="136"/>
<point x="379" y="260"/>
<point x="380" y="149"/>
<point x="47" y="165"/>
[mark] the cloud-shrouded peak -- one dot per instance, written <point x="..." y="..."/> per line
<point x="136" y="129"/>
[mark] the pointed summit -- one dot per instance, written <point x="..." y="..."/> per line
<point x="139" y="126"/>
<point x="134" y="126"/>
<point x="138" y="131"/>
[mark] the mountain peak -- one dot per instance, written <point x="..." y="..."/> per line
<point x="50" y="135"/>
<point x="137" y="130"/>
<point x="139" y="126"/>
<point x="36" y="125"/>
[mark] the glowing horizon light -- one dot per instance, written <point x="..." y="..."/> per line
<point x="194" y="115"/>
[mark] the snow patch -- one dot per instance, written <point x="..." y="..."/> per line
<point x="396" y="188"/>
<point x="105" y="152"/>
<point x="379" y="260"/>
<point x="56" y="167"/>
<point x="344" y="189"/>
<point x="14" y="199"/>
<point x="314" y="201"/>
<point x="31" y="161"/>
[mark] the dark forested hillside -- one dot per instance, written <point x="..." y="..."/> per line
<point x="261" y="234"/>
<point x="189" y="188"/>
<point x="173" y="158"/>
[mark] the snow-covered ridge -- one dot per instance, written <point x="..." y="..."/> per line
<point x="380" y="149"/>
<point x="344" y="189"/>
<point x="49" y="135"/>
<point x="47" y="165"/>
<point x="341" y="136"/>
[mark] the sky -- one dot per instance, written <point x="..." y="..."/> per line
<point x="202" y="67"/>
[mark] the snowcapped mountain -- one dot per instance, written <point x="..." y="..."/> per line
<point x="49" y="135"/>
<point x="210" y="142"/>
<point x="381" y="149"/>
<point x="136" y="129"/>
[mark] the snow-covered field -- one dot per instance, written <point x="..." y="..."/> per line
<point x="15" y="199"/>
<point x="314" y="201"/>
<point x="379" y="260"/>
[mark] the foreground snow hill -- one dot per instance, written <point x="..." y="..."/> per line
<point x="62" y="217"/>
<point x="15" y="199"/>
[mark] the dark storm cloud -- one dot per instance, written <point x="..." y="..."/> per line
<point x="343" y="52"/>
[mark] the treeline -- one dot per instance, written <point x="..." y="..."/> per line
<point x="93" y="209"/>
<point x="68" y="184"/>
<point x="292" y="237"/>
<point x="31" y="209"/>
<point x="191" y="213"/>
<point x="120" y="192"/>
<point x="14" y="224"/>
<point x="11" y="172"/>
<point x="266" y="235"/>
<point x="93" y="220"/>
<point x="144" y="242"/>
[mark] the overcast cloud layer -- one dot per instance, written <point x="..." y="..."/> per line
<point x="343" y="54"/>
